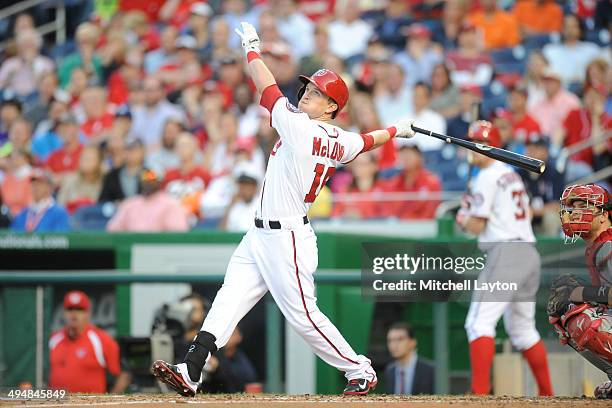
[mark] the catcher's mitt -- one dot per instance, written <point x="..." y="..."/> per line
<point x="560" y="290"/>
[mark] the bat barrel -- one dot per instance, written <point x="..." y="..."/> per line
<point x="506" y="156"/>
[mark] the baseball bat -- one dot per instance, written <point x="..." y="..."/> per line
<point x="506" y="156"/>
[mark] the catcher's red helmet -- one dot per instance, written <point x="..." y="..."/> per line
<point x="328" y="82"/>
<point x="576" y="220"/>
<point x="484" y="131"/>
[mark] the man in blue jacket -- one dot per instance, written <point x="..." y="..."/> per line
<point x="43" y="214"/>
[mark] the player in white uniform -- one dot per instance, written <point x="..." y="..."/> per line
<point x="279" y="252"/>
<point x="497" y="210"/>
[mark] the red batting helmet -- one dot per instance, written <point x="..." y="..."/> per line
<point x="576" y="219"/>
<point x="484" y="131"/>
<point x="330" y="84"/>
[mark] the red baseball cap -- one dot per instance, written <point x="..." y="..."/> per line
<point x="473" y="89"/>
<point x="75" y="299"/>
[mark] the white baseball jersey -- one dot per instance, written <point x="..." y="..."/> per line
<point x="499" y="196"/>
<point x="302" y="161"/>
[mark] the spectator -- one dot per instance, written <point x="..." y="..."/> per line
<point x="23" y="72"/>
<point x="408" y="373"/>
<point x="241" y="211"/>
<point x="198" y="306"/>
<point x="391" y="26"/>
<point x="553" y="109"/>
<point x="83" y="187"/>
<point x="229" y="370"/>
<point x="538" y="16"/>
<point x="87" y="37"/>
<point x="502" y="120"/>
<point x="98" y="120"/>
<point x="524" y="126"/>
<point x="148" y="120"/>
<point x="314" y="61"/>
<point x="122" y="122"/>
<point x="185" y="68"/>
<point x="46" y="139"/>
<point x="395" y="100"/>
<point x="165" y="157"/>
<point x="248" y="111"/>
<point x="66" y="158"/>
<point x="153" y="210"/>
<point x="444" y="94"/>
<point x="544" y="189"/>
<point x="124" y="181"/>
<point x="596" y="76"/>
<point x="294" y="27"/>
<point x="126" y="77"/>
<point x="453" y="17"/>
<point x="222" y="135"/>
<point x="572" y="49"/>
<point x="426" y="118"/>
<point x="420" y="55"/>
<point x="348" y="34"/>
<point x="114" y="151"/>
<point x="364" y="182"/>
<point x="590" y="122"/>
<point x="499" y="28"/>
<point x="5" y="214"/>
<point x="198" y="26"/>
<point x="37" y="106"/>
<point x="537" y="65"/>
<point x="418" y="181"/>
<point x="469" y="102"/>
<point x="20" y="135"/>
<point x="164" y="55"/>
<point x="234" y="12"/>
<point x="277" y="57"/>
<point x="469" y="65"/>
<point x="220" y="39"/>
<point x="43" y="214"/>
<point x="81" y="355"/>
<point x="16" y="186"/>
<point x="176" y="12"/>
<point x="10" y="111"/>
<point x="189" y="179"/>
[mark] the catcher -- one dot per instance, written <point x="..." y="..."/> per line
<point x="581" y="313"/>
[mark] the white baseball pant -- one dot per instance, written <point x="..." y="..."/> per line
<point x="283" y="262"/>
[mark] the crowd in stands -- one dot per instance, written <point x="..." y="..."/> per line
<point x="145" y="119"/>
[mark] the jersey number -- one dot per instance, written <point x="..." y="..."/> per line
<point x="316" y="183"/>
<point x="517" y="196"/>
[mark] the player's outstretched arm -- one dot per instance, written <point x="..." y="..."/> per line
<point x="402" y="129"/>
<point x="261" y="75"/>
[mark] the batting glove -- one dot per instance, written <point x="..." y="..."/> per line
<point x="404" y="128"/>
<point x="249" y="38"/>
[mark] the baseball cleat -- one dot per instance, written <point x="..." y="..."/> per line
<point x="359" y="386"/>
<point x="176" y="377"/>
<point x="604" y="391"/>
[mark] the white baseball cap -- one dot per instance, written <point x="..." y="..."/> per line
<point x="201" y="9"/>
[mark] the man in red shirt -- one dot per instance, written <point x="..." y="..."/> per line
<point x="66" y="159"/>
<point x="81" y="354"/>
<point x="417" y="180"/>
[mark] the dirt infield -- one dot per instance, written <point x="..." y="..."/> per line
<point x="299" y="401"/>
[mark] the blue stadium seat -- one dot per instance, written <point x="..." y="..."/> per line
<point x="92" y="218"/>
<point x="509" y="60"/>
<point x="536" y="41"/>
<point x="493" y="97"/>
<point x="450" y="169"/>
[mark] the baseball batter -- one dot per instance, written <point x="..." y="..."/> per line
<point x="279" y="252"/>
<point x="581" y="313"/>
<point x="497" y="210"/>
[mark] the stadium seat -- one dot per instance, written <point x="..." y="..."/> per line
<point x="447" y="165"/>
<point x="536" y="41"/>
<point x="92" y="218"/>
<point x="509" y="59"/>
<point x="493" y="97"/>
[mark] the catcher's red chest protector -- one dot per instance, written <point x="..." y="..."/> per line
<point x="599" y="259"/>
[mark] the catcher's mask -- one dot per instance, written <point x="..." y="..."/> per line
<point x="580" y="204"/>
